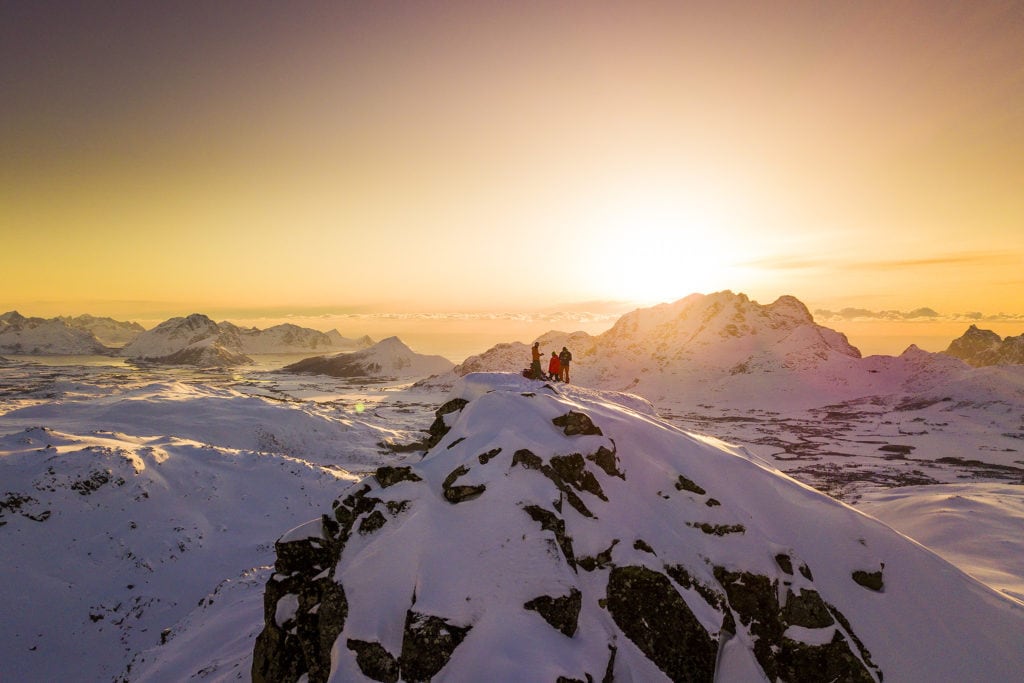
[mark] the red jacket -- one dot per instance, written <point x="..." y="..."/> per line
<point x="554" y="365"/>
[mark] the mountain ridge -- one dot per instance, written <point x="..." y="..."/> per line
<point x="557" y="533"/>
<point x="389" y="357"/>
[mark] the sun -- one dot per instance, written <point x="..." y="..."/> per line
<point x="652" y="245"/>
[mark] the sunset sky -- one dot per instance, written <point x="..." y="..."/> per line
<point x="510" y="156"/>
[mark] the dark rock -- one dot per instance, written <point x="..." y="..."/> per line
<point x="640" y="544"/>
<point x="717" y="529"/>
<point x="439" y="428"/>
<point x="607" y="461"/>
<point x="806" y="609"/>
<point x="527" y="459"/>
<point x="571" y="469"/>
<point x="374" y="521"/>
<point x="561" y="612"/>
<point x="485" y="458"/>
<point x="574" y="424"/>
<point x="652" y="614"/>
<point x="599" y="561"/>
<point x="785" y="564"/>
<point x="427" y="645"/>
<point x="304" y="647"/>
<point x="870" y="580"/>
<point x="389" y="476"/>
<point x="682" y="577"/>
<point x="833" y="661"/>
<point x="374" y="661"/>
<point x="609" y="670"/>
<point x="755" y="599"/>
<point x="895" y="448"/>
<point x="549" y="521"/>
<point x="685" y="484"/>
<point x="460" y="494"/>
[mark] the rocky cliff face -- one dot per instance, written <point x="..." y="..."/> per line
<point x="979" y="348"/>
<point x="553" y="534"/>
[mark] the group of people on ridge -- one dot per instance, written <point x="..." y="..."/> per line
<point x="558" y="366"/>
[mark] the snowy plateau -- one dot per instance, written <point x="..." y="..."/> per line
<point x="726" y="491"/>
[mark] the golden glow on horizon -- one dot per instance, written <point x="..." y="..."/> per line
<point x="497" y="156"/>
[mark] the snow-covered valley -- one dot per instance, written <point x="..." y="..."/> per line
<point x="140" y="505"/>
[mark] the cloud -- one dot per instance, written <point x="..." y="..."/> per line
<point x="924" y="314"/>
<point x="970" y="258"/>
<point x="791" y="263"/>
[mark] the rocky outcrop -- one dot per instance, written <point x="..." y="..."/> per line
<point x="980" y="347"/>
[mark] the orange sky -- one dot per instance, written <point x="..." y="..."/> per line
<point x="448" y="156"/>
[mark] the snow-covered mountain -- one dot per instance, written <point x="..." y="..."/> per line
<point x="198" y="340"/>
<point x="114" y="333"/>
<point x="46" y="336"/>
<point x="558" y="533"/>
<point x="288" y="338"/>
<point x="387" y="358"/>
<point x="364" y="342"/>
<point x="725" y="348"/>
<point x="984" y="347"/>
<point x="193" y="340"/>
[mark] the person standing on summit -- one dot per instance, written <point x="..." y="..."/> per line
<point x="554" y="367"/>
<point x="535" y="368"/>
<point x="564" y="358"/>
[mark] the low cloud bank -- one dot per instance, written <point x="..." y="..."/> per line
<point x="824" y="316"/>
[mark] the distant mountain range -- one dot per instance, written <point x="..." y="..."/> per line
<point x="192" y="340"/>
<point x="713" y="343"/>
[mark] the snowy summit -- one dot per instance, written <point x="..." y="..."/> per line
<point x="557" y="533"/>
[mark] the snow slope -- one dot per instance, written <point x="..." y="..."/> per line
<point x="552" y="531"/>
<point x="219" y="416"/>
<point x="976" y="526"/>
<point x="108" y="539"/>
